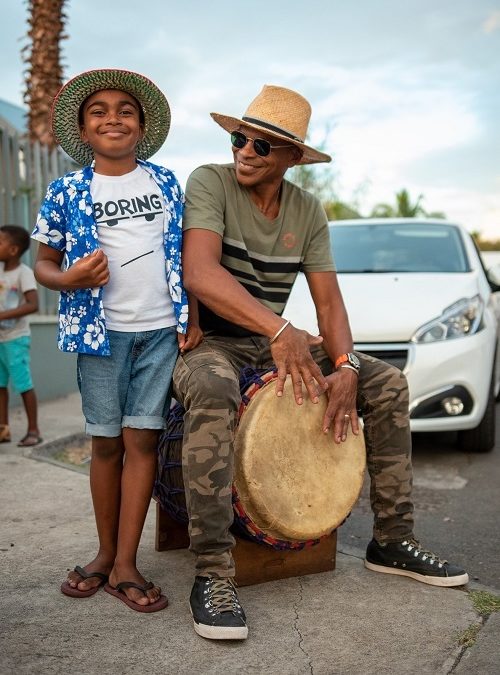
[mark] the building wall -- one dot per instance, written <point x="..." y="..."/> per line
<point x="25" y="171"/>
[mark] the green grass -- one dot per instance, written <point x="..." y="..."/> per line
<point x="485" y="603"/>
<point x="468" y="637"/>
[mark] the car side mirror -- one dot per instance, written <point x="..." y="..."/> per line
<point x="493" y="276"/>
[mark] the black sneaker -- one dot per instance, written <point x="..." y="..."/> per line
<point x="409" y="559"/>
<point x="217" y="613"/>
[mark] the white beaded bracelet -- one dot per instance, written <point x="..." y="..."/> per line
<point x="287" y="323"/>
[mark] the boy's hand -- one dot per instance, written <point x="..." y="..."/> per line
<point x="89" y="272"/>
<point x="191" y="339"/>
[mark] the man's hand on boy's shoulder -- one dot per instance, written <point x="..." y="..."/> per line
<point x="89" y="272"/>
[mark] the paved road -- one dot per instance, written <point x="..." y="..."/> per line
<point x="457" y="495"/>
<point x="457" y="504"/>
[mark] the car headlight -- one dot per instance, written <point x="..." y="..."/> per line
<point x="462" y="318"/>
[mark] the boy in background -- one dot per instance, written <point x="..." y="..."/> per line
<point x="18" y="298"/>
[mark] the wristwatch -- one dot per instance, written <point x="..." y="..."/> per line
<point x="348" y="360"/>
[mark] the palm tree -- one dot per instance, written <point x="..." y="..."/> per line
<point x="43" y="76"/>
<point x="404" y="208"/>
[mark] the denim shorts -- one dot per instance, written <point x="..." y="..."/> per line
<point x="15" y="364"/>
<point x="130" y="388"/>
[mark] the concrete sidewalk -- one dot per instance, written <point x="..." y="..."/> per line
<point x="350" y="621"/>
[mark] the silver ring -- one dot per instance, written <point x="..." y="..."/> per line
<point x="347" y="417"/>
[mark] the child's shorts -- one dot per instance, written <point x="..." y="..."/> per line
<point x="15" y="364"/>
<point x="130" y="388"/>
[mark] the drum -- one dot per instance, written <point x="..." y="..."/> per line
<point x="292" y="485"/>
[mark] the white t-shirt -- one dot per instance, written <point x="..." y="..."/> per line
<point x="13" y="285"/>
<point x="129" y="213"/>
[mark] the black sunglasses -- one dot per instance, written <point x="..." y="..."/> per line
<point x="260" y="145"/>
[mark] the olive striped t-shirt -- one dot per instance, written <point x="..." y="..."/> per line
<point x="263" y="255"/>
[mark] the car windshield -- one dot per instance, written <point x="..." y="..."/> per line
<point x="391" y="247"/>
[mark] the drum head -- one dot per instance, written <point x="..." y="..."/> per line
<point x="293" y="481"/>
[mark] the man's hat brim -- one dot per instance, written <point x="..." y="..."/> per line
<point x="309" y="155"/>
<point x="66" y="106"/>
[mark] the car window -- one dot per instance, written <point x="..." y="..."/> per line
<point x="419" y="247"/>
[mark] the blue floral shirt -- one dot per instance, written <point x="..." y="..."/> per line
<point x="66" y="222"/>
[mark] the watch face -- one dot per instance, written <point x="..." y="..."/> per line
<point x="354" y="361"/>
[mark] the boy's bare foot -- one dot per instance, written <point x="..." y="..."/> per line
<point x="101" y="564"/>
<point x="125" y="573"/>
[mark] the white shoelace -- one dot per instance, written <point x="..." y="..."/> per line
<point x="413" y="545"/>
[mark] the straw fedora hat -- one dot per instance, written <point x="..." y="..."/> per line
<point x="281" y="113"/>
<point x="66" y="106"/>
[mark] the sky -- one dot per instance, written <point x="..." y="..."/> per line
<point x="403" y="94"/>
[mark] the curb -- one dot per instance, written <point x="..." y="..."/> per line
<point x="45" y="451"/>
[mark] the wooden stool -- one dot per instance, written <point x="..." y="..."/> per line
<point x="255" y="563"/>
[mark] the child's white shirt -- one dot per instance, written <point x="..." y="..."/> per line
<point x="13" y="285"/>
<point x="129" y="214"/>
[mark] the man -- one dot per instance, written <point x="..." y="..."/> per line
<point x="247" y="233"/>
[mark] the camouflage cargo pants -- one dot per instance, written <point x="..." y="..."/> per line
<point x="206" y="383"/>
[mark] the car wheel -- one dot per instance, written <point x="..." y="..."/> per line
<point x="482" y="437"/>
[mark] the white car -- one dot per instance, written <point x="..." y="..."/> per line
<point x="418" y="296"/>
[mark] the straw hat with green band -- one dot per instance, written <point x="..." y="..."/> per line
<point x="281" y="113"/>
<point x="65" y="124"/>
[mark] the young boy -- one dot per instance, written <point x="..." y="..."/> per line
<point x="110" y="242"/>
<point x="18" y="298"/>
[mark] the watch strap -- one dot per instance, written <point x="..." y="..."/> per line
<point x="343" y="358"/>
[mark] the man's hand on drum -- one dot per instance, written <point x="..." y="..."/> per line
<point x="292" y="356"/>
<point x="341" y="409"/>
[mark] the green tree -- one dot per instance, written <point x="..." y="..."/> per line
<point x="314" y="178"/>
<point x="320" y="180"/>
<point x="404" y="208"/>
<point x="337" y="210"/>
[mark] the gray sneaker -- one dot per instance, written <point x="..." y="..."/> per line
<point x="217" y="613"/>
